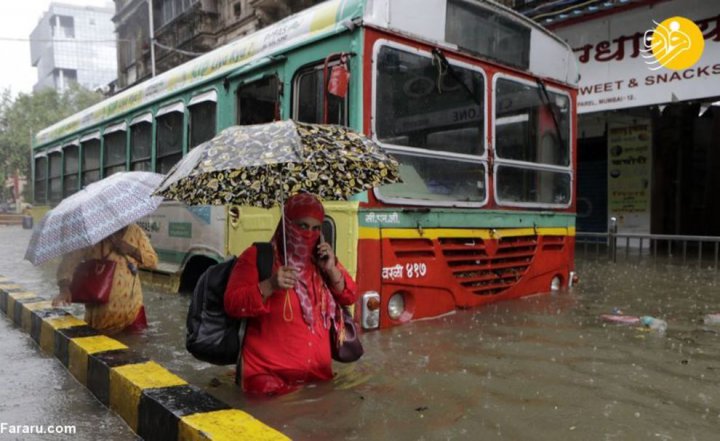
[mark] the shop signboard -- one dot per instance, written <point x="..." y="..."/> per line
<point x="629" y="173"/>
<point x="615" y="75"/>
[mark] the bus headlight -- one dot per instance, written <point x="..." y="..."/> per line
<point x="234" y="216"/>
<point x="396" y="305"/>
<point x="370" y="302"/>
<point x="573" y="279"/>
<point x="555" y="283"/>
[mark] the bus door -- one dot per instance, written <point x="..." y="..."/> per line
<point x="258" y="99"/>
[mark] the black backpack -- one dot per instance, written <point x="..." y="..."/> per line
<point x="212" y="336"/>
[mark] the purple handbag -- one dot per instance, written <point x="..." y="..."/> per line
<point x="350" y="349"/>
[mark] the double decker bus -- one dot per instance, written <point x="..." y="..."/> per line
<point x="476" y="102"/>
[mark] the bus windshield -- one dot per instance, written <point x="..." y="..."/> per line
<point x="532" y="131"/>
<point x="432" y="119"/>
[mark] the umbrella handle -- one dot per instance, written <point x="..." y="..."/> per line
<point x="282" y="221"/>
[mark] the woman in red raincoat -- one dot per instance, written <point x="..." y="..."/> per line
<point x="287" y="340"/>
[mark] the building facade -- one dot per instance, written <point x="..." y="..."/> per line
<point x="648" y="130"/>
<point x="648" y="134"/>
<point x="74" y="44"/>
<point x="185" y="29"/>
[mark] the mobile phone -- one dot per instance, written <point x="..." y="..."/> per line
<point x="321" y="240"/>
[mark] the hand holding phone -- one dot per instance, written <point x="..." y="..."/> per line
<point x="321" y="251"/>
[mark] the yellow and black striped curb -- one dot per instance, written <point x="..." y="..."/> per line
<point x="155" y="403"/>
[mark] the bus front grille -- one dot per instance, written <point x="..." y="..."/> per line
<point x="412" y="248"/>
<point x="488" y="267"/>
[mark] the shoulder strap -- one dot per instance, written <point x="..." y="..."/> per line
<point x="264" y="262"/>
<point x="265" y="257"/>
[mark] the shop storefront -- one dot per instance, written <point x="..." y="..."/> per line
<point x="648" y="136"/>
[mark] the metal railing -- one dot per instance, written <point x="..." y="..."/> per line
<point x="704" y="250"/>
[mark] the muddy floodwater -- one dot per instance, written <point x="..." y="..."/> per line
<point x="36" y="391"/>
<point x="545" y="367"/>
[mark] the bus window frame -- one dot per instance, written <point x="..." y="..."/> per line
<point x="50" y="153"/>
<point x="203" y="97"/>
<point x="479" y="159"/>
<point x="277" y="72"/>
<point x="176" y="106"/>
<point x="41" y="155"/>
<point x="120" y="126"/>
<point x="328" y="226"/>
<point x="141" y="118"/>
<point x="318" y="66"/>
<point x="537" y="166"/>
<point x="95" y="135"/>
<point x="74" y="143"/>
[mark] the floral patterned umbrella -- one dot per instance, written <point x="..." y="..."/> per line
<point x="261" y="165"/>
<point x="93" y="213"/>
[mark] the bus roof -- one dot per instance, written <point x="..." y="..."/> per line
<point x="321" y="20"/>
<point x="327" y="17"/>
<point x="547" y="55"/>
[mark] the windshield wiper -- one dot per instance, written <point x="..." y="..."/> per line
<point x="545" y="98"/>
<point x="444" y="65"/>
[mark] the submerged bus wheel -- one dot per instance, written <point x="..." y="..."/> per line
<point x="192" y="272"/>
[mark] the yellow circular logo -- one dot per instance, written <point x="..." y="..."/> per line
<point x="677" y="43"/>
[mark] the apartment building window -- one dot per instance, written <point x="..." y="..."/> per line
<point x="170" y="9"/>
<point x="63" y="26"/>
<point x="63" y="78"/>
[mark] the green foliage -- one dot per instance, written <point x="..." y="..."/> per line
<point x="26" y="114"/>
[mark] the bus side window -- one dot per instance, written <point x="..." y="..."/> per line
<point x="90" y="161"/>
<point x="258" y="102"/>
<point x="140" y="144"/>
<point x="169" y="140"/>
<point x="40" y="178"/>
<point x="308" y="98"/>
<point x="114" y="159"/>
<point x="55" y="176"/>
<point x="70" y="174"/>
<point x="328" y="231"/>
<point x="201" y="122"/>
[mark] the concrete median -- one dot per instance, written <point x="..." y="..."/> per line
<point x="155" y="403"/>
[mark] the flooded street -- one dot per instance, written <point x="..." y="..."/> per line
<point x="541" y="368"/>
<point x="37" y="390"/>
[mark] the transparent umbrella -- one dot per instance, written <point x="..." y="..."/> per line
<point x="94" y="213"/>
